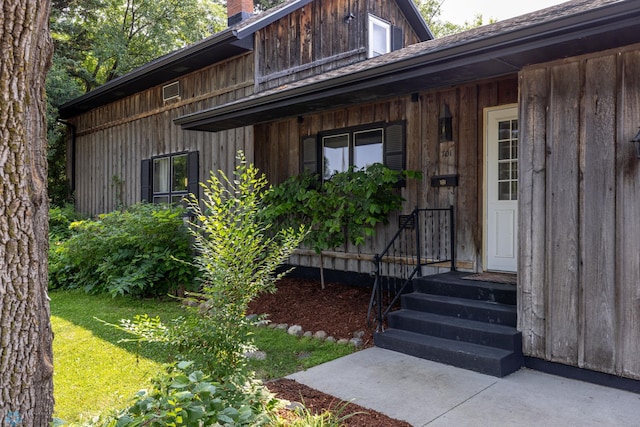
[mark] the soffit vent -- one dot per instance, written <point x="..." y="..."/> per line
<point x="171" y="91"/>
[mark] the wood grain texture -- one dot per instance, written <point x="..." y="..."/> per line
<point x="628" y="218"/>
<point x="562" y="213"/>
<point x="597" y="216"/>
<point x="534" y="90"/>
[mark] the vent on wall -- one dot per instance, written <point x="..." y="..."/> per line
<point x="171" y="91"/>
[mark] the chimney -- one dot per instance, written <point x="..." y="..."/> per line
<point x="238" y="10"/>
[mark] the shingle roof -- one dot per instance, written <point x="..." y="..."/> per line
<point x="568" y="29"/>
<point x="227" y="43"/>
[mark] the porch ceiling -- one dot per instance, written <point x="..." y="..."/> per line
<point x="500" y="49"/>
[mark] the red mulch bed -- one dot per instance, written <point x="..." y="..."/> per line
<point x="338" y="310"/>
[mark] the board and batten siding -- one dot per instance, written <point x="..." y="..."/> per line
<point x="112" y="140"/>
<point x="579" y="259"/>
<point x="316" y="38"/>
<point x="277" y="153"/>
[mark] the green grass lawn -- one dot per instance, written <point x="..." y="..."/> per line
<point x="95" y="372"/>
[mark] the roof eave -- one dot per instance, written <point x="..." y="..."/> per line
<point x="495" y="54"/>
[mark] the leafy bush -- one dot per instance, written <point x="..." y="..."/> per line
<point x="238" y="254"/>
<point x="60" y="218"/>
<point x="181" y="397"/>
<point x="143" y="251"/>
<point x="347" y="207"/>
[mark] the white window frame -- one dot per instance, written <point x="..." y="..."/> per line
<point x="374" y="22"/>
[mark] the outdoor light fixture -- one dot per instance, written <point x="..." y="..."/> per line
<point x="636" y="141"/>
<point x="445" y="126"/>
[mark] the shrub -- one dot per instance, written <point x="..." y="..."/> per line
<point x="60" y="218"/>
<point x="238" y="254"/>
<point x="346" y="208"/>
<point x="144" y="251"/>
<point x="182" y="397"/>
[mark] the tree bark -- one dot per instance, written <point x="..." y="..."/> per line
<point x="26" y="369"/>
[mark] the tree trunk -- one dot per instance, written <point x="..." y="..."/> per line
<point x="26" y="370"/>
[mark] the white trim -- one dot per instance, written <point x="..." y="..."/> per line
<point x="509" y="110"/>
<point x="373" y="22"/>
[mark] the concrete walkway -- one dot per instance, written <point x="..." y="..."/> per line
<point x="424" y="393"/>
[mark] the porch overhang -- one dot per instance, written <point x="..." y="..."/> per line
<point x="496" y="50"/>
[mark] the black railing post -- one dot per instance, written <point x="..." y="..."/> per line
<point x="378" y="291"/>
<point x="452" y="236"/>
<point x="416" y="223"/>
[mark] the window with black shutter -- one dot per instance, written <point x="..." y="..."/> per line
<point x="334" y="151"/>
<point x="170" y="178"/>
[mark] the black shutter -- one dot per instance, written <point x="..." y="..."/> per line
<point x="146" y="181"/>
<point x="193" y="174"/>
<point x="394" y="146"/>
<point x="310" y="154"/>
<point x="397" y="38"/>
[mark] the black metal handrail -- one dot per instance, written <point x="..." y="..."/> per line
<point x="425" y="237"/>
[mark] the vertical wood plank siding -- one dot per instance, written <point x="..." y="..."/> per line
<point x="580" y="212"/>
<point x="277" y="148"/>
<point x="114" y="139"/>
<point x="316" y="38"/>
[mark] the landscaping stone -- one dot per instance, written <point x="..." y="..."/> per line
<point x="356" y="342"/>
<point x="272" y="325"/>
<point x="358" y="334"/>
<point x="330" y="339"/>
<point x="282" y="326"/>
<point x="295" y="330"/>
<point x="308" y="334"/>
<point x="321" y="335"/>
<point x="263" y="322"/>
<point x="343" y="341"/>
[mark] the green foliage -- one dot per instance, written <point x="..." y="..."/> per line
<point x="431" y="10"/>
<point x="60" y="220"/>
<point x="142" y="251"/>
<point x="347" y="207"/>
<point x="185" y="397"/>
<point x="304" y="417"/>
<point x="283" y="353"/>
<point x="89" y="353"/>
<point x="97" y="41"/>
<point x="238" y="254"/>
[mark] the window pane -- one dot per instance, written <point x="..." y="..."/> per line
<point x="504" y="190"/>
<point x="514" y="190"/>
<point x="160" y="199"/>
<point x="367" y="148"/>
<point x="179" y="179"/>
<point x="335" y="150"/>
<point x="504" y="130"/>
<point x="504" y="150"/>
<point x="161" y="175"/>
<point x="379" y="36"/>
<point x="178" y="199"/>
<point x="504" y="171"/>
<point x="514" y="170"/>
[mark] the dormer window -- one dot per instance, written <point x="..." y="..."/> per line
<point x="379" y="36"/>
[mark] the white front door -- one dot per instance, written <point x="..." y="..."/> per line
<point x="501" y="189"/>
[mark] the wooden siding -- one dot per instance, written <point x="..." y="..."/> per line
<point x="114" y="139"/>
<point x="315" y="39"/>
<point x="277" y="152"/>
<point x="580" y="212"/>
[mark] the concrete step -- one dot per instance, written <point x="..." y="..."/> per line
<point x="463" y="308"/>
<point x="453" y="285"/>
<point x="487" y="360"/>
<point x="453" y="328"/>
